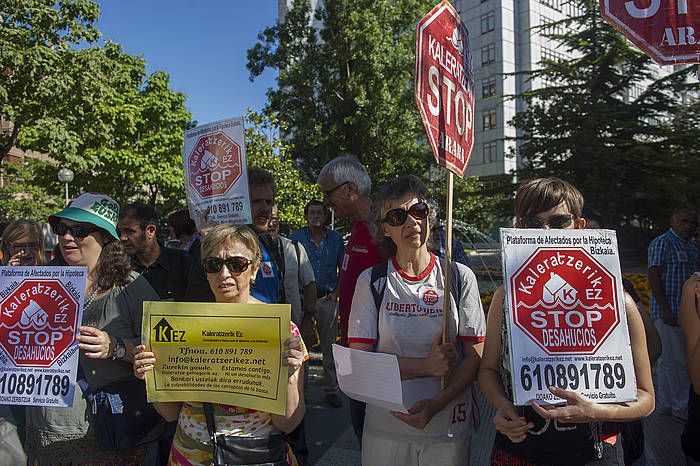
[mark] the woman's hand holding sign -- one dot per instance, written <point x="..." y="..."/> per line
<point x="441" y="359"/>
<point x="144" y="361"/>
<point x="293" y="356"/>
<point x="577" y="408"/>
<point x="510" y="424"/>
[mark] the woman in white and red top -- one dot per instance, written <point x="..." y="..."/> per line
<point x="408" y="323"/>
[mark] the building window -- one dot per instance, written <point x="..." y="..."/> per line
<point x="488" y="87"/>
<point x="488" y="54"/>
<point x="573" y="9"/>
<point x="549" y="26"/>
<point x="551" y="55"/>
<point x="490" y="151"/>
<point x="489" y="119"/>
<point x="488" y="22"/>
<point x="553" y="4"/>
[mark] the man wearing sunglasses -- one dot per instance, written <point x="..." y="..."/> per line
<point x="165" y="269"/>
<point x="346" y="187"/>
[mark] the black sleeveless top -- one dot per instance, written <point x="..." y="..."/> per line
<point x="691" y="432"/>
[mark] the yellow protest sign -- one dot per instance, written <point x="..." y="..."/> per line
<point x="217" y="353"/>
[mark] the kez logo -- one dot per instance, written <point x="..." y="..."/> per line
<point x="165" y="333"/>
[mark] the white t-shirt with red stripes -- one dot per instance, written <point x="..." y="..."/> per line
<point x="410" y="317"/>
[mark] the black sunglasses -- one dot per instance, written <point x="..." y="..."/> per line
<point x="234" y="264"/>
<point x="555" y="221"/>
<point x="331" y="191"/>
<point x="397" y="217"/>
<point x="77" y="231"/>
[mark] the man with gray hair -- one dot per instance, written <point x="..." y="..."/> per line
<point x="346" y="187"/>
<point x="673" y="258"/>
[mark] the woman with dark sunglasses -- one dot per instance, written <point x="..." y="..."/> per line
<point x="231" y="261"/>
<point x="580" y="432"/>
<point x="111" y="328"/>
<point x="401" y="313"/>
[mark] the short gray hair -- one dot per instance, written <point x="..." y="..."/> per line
<point x="347" y="168"/>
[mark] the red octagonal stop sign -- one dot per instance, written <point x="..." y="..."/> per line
<point x="37" y="322"/>
<point x="667" y="30"/>
<point x="565" y="301"/>
<point x="215" y="165"/>
<point x="445" y="86"/>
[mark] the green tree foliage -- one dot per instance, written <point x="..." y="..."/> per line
<point x="348" y="88"/>
<point x="265" y="149"/>
<point x="629" y="154"/>
<point x="36" y="37"/>
<point x="126" y="131"/>
<point x="24" y="196"/>
<point x="92" y="109"/>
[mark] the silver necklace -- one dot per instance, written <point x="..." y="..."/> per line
<point x="89" y="301"/>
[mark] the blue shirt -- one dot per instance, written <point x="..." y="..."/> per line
<point x="678" y="260"/>
<point x="325" y="258"/>
<point x="267" y="282"/>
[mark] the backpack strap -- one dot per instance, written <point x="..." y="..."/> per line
<point x="456" y="282"/>
<point x="296" y="248"/>
<point x="377" y="283"/>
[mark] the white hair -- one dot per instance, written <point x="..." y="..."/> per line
<point x="347" y="168"/>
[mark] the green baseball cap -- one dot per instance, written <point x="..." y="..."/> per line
<point x="97" y="209"/>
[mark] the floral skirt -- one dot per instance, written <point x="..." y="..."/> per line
<point x="49" y="448"/>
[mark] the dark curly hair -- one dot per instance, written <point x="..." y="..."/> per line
<point x="113" y="266"/>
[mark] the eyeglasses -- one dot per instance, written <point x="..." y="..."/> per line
<point x="331" y="191"/>
<point x="30" y="246"/>
<point x="234" y="264"/>
<point x="77" y="231"/>
<point x="397" y="217"/>
<point x="555" y="221"/>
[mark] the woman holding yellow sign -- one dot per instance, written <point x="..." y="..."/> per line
<point x="231" y="260"/>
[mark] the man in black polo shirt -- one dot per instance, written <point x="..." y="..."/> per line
<point x="165" y="269"/>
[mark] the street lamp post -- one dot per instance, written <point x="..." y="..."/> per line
<point x="65" y="175"/>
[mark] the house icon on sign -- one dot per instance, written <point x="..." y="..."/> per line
<point x="557" y="289"/>
<point x="163" y="331"/>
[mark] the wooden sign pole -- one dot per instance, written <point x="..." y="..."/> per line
<point x="448" y="265"/>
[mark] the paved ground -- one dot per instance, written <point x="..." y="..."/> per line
<point x="333" y="443"/>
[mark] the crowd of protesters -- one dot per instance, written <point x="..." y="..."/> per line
<point x="393" y="256"/>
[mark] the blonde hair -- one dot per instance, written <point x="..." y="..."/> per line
<point x="225" y="235"/>
<point x="18" y="229"/>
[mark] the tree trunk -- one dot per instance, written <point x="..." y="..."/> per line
<point x="5" y="150"/>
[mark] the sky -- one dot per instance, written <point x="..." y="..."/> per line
<point x="202" y="44"/>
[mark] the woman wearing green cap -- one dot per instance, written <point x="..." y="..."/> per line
<point x="110" y="329"/>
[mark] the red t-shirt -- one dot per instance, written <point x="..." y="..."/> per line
<point x="361" y="252"/>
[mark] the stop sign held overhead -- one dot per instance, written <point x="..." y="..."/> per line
<point x="445" y="86"/>
<point x="667" y="30"/>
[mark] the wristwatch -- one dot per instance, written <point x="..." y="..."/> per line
<point x="119" y="349"/>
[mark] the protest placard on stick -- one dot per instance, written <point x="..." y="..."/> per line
<point x="445" y="98"/>
<point x="216" y="177"/>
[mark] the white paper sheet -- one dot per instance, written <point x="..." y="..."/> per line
<point x="375" y="379"/>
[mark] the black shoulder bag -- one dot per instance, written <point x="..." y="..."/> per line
<point x="232" y="450"/>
